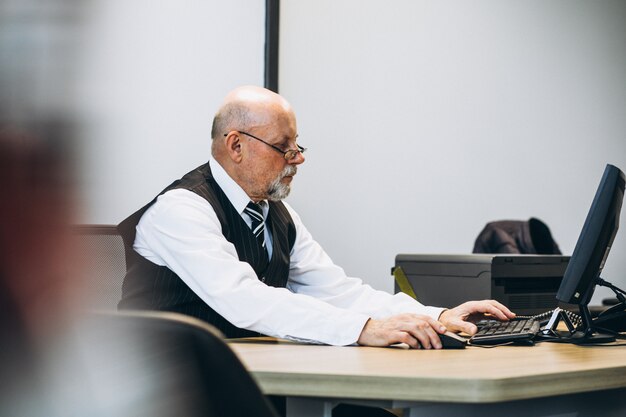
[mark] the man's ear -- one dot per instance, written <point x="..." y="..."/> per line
<point x="233" y="146"/>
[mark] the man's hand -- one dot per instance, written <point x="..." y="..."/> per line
<point x="416" y="331"/>
<point x="463" y="317"/>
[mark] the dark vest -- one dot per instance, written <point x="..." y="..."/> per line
<point x="148" y="286"/>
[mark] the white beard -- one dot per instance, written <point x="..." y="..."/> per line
<point x="277" y="190"/>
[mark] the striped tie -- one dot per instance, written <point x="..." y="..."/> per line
<point x="258" y="224"/>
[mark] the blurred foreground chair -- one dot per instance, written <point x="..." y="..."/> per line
<point x="165" y="364"/>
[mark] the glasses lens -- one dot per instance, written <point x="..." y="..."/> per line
<point x="292" y="153"/>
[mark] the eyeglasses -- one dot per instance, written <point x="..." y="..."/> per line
<point x="288" y="154"/>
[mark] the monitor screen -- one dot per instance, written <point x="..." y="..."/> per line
<point x="595" y="240"/>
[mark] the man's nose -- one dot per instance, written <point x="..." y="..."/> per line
<point x="298" y="159"/>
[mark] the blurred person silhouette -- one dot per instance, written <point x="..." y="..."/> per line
<point x="36" y="285"/>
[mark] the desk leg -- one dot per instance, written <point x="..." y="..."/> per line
<point x="610" y="403"/>
<point x="489" y="411"/>
<point x="309" y="407"/>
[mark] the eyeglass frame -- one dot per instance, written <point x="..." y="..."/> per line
<point x="276" y="148"/>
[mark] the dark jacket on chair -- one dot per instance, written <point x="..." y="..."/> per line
<point x="516" y="236"/>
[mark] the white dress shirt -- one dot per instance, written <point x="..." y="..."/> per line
<point x="320" y="304"/>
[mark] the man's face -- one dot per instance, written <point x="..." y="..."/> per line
<point x="269" y="174"/>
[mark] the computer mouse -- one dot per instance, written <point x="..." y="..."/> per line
<point x="451" y="340"/>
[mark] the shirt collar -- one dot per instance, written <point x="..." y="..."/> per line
<point x="235" y="194"/>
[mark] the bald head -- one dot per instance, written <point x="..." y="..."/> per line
<point x="252" y="132"/>
<point x="246" y="107"/>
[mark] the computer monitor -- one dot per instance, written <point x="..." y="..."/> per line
<point x="592" y="249"/>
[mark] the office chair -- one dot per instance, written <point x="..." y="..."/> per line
<point x="164" y="364"/>
<point x="100" y="250"/>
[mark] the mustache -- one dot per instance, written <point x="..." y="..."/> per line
<point x="289" y="171"/>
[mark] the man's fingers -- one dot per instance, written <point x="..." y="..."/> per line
<point x="502" y="309"/>
<point x="490" y="307"/>
<point x="497" y="310"/>
<point x="414" y="330"/>
<point x="425" y="334"/>
<point x="405" y="337"/>
<point x="459" y="325"/>
<point x="439" y="328"/>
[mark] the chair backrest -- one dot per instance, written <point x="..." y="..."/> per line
<point x="100" y="249"/>
<point x="162" y="364"/>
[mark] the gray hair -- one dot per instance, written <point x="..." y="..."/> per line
<point x="230" y="116"/>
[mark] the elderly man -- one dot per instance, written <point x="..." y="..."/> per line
<point x="221" y="245"/>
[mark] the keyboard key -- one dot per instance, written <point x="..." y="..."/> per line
<point x="493" y="332"/>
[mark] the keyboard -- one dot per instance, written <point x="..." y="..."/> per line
<point x="493" y="332"/>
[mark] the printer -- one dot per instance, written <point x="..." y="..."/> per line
<point x="527" y="284"/>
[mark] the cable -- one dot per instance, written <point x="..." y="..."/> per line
<point x="618" y="291"/>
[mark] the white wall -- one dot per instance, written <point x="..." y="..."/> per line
<point x="426" y="119"/>
<point x="150" y="78"/>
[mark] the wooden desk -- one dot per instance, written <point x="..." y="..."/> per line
<point x="546" y="379"/>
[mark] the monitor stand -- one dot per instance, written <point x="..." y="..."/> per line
<point x="585" y="334"/>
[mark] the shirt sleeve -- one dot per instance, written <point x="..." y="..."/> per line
<point x="182" y="231"/>
<point x="313" y="273"/>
